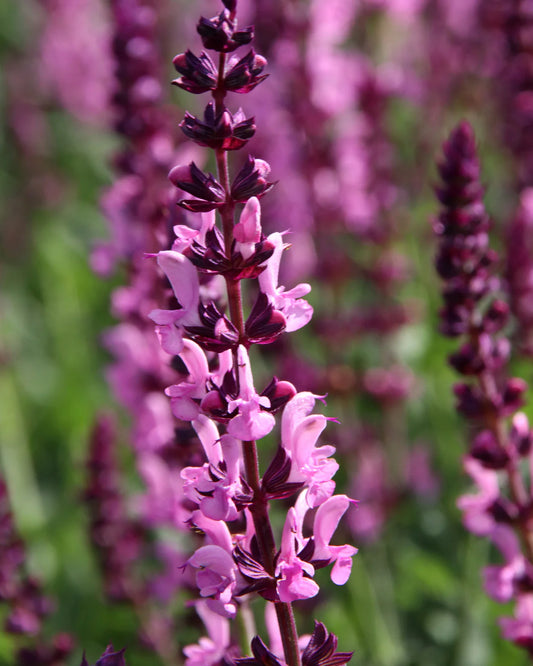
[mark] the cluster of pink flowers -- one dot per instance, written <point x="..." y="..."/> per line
<point x="205" y="270"/>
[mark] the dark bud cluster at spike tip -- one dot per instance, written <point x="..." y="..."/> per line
<point x="219" y="33"/>
<point x="464" y="260"/>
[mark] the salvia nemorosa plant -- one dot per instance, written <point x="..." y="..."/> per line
<point x="241" y="555"/>
<point x="501" y="441"/>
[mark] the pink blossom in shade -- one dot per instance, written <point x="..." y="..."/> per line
<point x="293" y="574"/>
<point x="170" y="576"/>
<point x="296" y="311"/>
<point x="309" y="464"/>
<point x="137" y="355"/>
<point x="476" y="516"/>
<point x="162" y="502"/>
<point x="520" y="628"/>
<point x="251" y="422"/>
<point x="154" y="427"/>
<point x="185" y="397"/>
<point x="210" y="650"/>
<point x="183" y="278"/>
<point x="326" y="520"/>
<point x="215" y="578"/>
<point x="247" y="231"/>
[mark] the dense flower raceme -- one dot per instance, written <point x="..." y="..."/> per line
<point x="218" y="395"/>
<point x="500" y="509"/>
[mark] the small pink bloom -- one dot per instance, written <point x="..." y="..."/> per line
<point x="216" y="578"/>
<point x="185" y="235"/>
<point x="296" y="311"/>
<point x="520" y="628"/>
<point x="185" y="397"/>
<point x="476" y="516"/>
<point x="252" y="422"/>
<point x="183" y="278"/>
<point x="247" y="231"/>
<point x="326" y="520"/>
<point x="309" y="464"/>
<point x="292" y="583"/>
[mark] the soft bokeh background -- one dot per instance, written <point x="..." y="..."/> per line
<point x="415" y="596"/>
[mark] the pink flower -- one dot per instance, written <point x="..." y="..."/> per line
<point x="476" y="516"/>
<point x="252" y="422"/>
<point x="247" y="231"/>
<point x="296" y="311"/>
<point x="326" y="520"/>
<point x="215" y="487"/>
<point x="185" y="397"/>
<point x="309" y="464"/>
<point x="185" y="235"/>
<point x="293" y="583"/>
<point x="215" y="578"/>
<point x="520" y="628"/>
<point x="183" y="278"/>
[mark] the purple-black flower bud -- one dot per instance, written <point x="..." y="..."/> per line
<point x="513" y="395"/>
<point x="262" y="655"/>
<point x="251" y="180"/>
<point x="470" y="401"/>
<point x="217" y="333"/>
<point x="219" y="131"/>
<point x="321" y="649"/>
<point x="230" y="5"/>
<point x="109" y="658"/>
<point x="205" y="187"/>
<point x="198" y="74"/>
<point x="496" y="317"/>
<point x="488" y="451"/>
<point x="521" y="437"/>
<point x="219" y="34"/>
<point x="264" y="323"/>
<point x="245" y="74"/>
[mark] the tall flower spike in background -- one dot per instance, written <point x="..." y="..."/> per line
<point x="219" y="397"/>
<point x="500" y="510"/>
